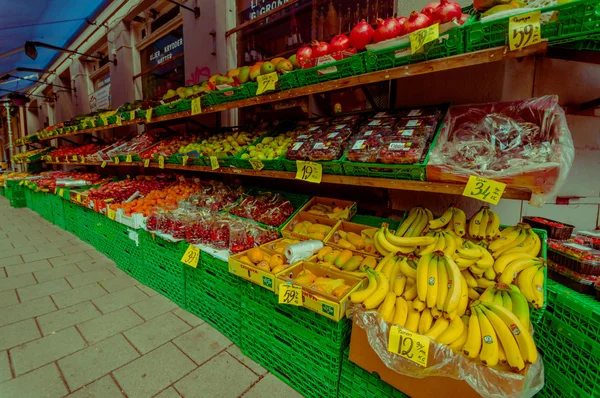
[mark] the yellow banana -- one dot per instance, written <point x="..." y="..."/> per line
<point x="425" y="321"/>
<point x="442" y="273"/>
<point x="420" y="226"/>
<point x="485" y="218"/>
<point x="473" y="295"/>
<point x="407" y="270"/>
<point x="379" y="237"/>
<point x="511" y="348"/>
<point x="455" y="285"/>
<point x="470" y="251"/>
<point x="419" y="305"/>
<point x="452" y="333"/>
<point x="507" y="301"/>
<point x="504" y="260"/>
<point x="450" y="248"/>
<point x="505" y="240"/>
<point x="476" y="271"/>
<point x="421" y="280"/>
<point x="361" y="295"/>
<point x="513" y="324"/>
<point x="383" y="287"/>
<point x="458" y="344"/>
<point x="497" y="297"/>
<point x="410" y="293"/>
<point x="459" y="219"/>
<point x="489" y="346"/>
<point x="484" y="283"/>
<point x="490" y="274"/>
<point x="538" y="289"/>
<point x="432" y="283"/>
<point x="525" y="282"/>
<point x="494" y="223"/>
<point x="488" y="294"/>
<point x="464" y="297"/>
<point x="440" y="244"/>
<point x="386" y="309"/>
<point x="475" y="224"/>
<point x="516" y="243"/>
<point x="379" y="248"/>
<point x="535" y="249"/>
<point x="435" y="313"/>
<point x="412" y="318"/>
<point x="401" y="312"/>
<point x="443" y="220"/>
<point x="410" y="218"/>
<point x="429" y="214"/>
<point x="519" y="306"/>
<point x="407" y="241"/>
<point x="528" y="245"/>
<point x="399" y="284"/>
<point x="513" y="269"/>
<point x="471" y="281"/>
<point x="430" y="248"/>
<point x="385" y="261"/>
<point x="486" y="261"/>
<point x="440" y="326"/>
<point x="472" y="346"/>
<point x="501" y="353"/>
<point x="464" y="263"/>
<point x="388" y="269"/>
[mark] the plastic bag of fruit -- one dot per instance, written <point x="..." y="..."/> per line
<point x="521" y="143"/>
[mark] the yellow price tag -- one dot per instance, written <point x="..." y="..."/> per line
<point x="74" y="158"/>
<point x="256" y="164"/>
<point x="191" y="256"/>
<point x="196" y="107"/>
<point x="103" y="165"/>
<point x="290" y="294"/>
<point x="524" y="30"/>
<point x="56" y="159"/>
<point x="61" y="192"/>
<point x="79" y="198"/>
<point x="117" y="160"/>
<point x="146" y="162"/>
<point x="161" y="162"/>
<point x="129" y="159"/>
<point x="131" y="115"/>
<point x="184" y="160"/>
<point x="82" y="159"/>
<point x="111" y="214"/>
<point x="309" y="171"/>
<point x="104" y="120"/>
<point x="214" y="162"/>
<point x="21" y="182"/>
<point x="423" y="36"/>
<point x="266" y="82"/>
<point x="119" y="121"/>
<point x="148" y="115"/>
<point x="409" y="345"/>
<point x="483" y="189"/>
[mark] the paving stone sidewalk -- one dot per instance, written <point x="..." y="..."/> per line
<point x="73" y="324"/>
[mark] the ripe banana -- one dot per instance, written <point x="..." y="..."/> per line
<point x="412" y="318"/>
<point x="528" y="245"/>
<point x="484" y="283"/>
<point x="519" y="306"/>
<point x="401" y="312"/>
<point x="386" y="309"/>
<point x="486" y="261"/>
<point x="518" y="242"/>
<point x="430" y="248"/>
<point x="459" y="220"/>
<point x="470" y="251"/>
<point x="455" y="288"/>
<point x="472" y="346"/>
<point x="513" y="269"/>
<point x="421" y="280"/>
<point x="538" y="289"/>
<point x="425" y="321"/>
<point x="410" y="293"/>
<point x="483" y="224"/>
<point x="389" y="258"/>
<point x="475" y="223"/>
<point x="419" y="227"/>
<point x="399" y="284"/>
<point x="407" y="241"/>
<point x="382" y="242"/>
<point x="441" y="324"/>
<point x="507" y="301"/>
<point x="511" y="348"/>
<point x="453" y="332"/>
<point x="535" y="250"/>
<point x="432" y="283"/>
<point x="473" y="295"/>
<point x="458" y="344"/>
<point x="441" y="243"/>
<point x="488" y="294"/>
<point x="493" y="225"/>
<point x="504" y="260"/>
<point x="419" y="305"/>
<point x="450" y="241"/>
<point x="490" y="274"/>
<point x="435" y="313"/>
<point x="361" y="295"/>
<point x="383" y="287"/>
<point x="407" y="270"/>
<point x="464" y="297"/>
<point x="410" y="218"/>
<point x="471" y="281"/>
<point x="489" y="346"/>
<point x="443" y="220"/>
<point x="508" y="237"/>
<point x="442" y="273"/>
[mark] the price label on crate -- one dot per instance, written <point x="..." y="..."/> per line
<point x="61" y="192"/>
<point x="266" y="82"/>
<point x="191" y="256"/>
<point x="104" y="120"/>
<point x="131" y="115"/>
<point x="290" y="294"/>
<point x="161" y="162"/>
<point x="79" y="198"/>
<point x="149" y="115"/>
<point x="309" y="171"/>
<point x="111" y="214"/>
<point x="82" y="159"/>
<point x="103" y="165"/>
<point x="423" y="36"/>
<point x="409" y="345"/>
<point x="119" y="121"/>
<point x="56" y="159"/>
<point x="256" y="164"/>
<point x="146" y="162"/>
<point x="483" y="189"/>
<point x="196" y="107"/>
<point x="214" y="162"/>
<point x="74" y="158"/>
<point x="21" y="182"/>
<point x="129" y="159"/>
<point x="184" y="160"/>
<point x="117" y="160"/>
<point x="524" y="30"/>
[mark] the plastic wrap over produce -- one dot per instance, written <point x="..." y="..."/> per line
<point x="443" y="362"/>
<point x="522" y="143"/>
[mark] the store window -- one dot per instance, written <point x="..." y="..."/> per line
<point x="99" y="72"/>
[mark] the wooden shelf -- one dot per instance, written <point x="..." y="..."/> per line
<point x="387" y="183"/>
<point x="94" y="129"/>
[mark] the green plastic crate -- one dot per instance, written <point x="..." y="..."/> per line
<point x="351" y="66"/>
<point x="59" y="212"/>
<point x="329" y="166"/>
<point x="557" y="386"/>
<point x="177" y="106"/>
<point x="214" y="269"/>
<point x="571" y="353"/>
<point x="571" y="20"/>
<point x="449" y="43"/>
<point x="589" y="43"/>
<point x="230" y="94"/>
<point x="374" y="221"/>
<point x="161" y="256"/>
<point x="169" y="287"/>
<point x="224" y="320"/>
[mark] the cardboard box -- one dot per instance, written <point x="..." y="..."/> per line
<point x="262" y="278"/>
<point x="288" y="228"/>
<point x="347" y="226"/>
<point x="362" y="354"/>
<point x="279" y="245"/>
<point x="348" y="207"/>
<point x="320" y="302"/>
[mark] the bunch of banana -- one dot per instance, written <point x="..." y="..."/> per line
<point x="496" y="334"/>
<point x="454" y="219"/>
<point x="517" y="239"/>
<point x="484" y="224"/>
<point x="475" y="258"/>
<point x="375" y="292"/>
<point x="445" y="241"/>
<point x="415" y="222"/>
<point x="510" y="266"/>
<point x="511" y="298"/>
<point x="474" y="282"/>
<point x="531" y="283"/>
<point x="386" y="242"/>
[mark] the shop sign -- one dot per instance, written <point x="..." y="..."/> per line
<point x="259" y="7"/>
<point x="100" y="99"/>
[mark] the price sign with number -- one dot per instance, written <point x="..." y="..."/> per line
<point x="483" y="189"/>
<point x="103" y="165"/>
<point x="61" y="192"/>
<point x="423" y="36"/>
<point x="82" y="159"/>
<point x="184" y="160"/>
<point x="309" y="171"/>
<point x="161" y="162"/>
<point x="74" y="158"/>
<point x="196" y="107"/>
<point x="409" y="345"/>
<point x="214" y="162"/>
<point x="149" y="115"/>
<point x="56" y="159"/>
<point x="256" y="164"/>
<point x="111" y="214"/>
<point x="79" y="198"/>
<point x="119" y="121"/>
<point x="104" y="120"/>
<point x="117" y="160"/>
<point x="524" y="30"/>
<point x="131" y="115"/>
<point x="146" y="162"/>
<point x="290" y="294"/>
<point x="191" y="256"/>
<point x="129" y="159"/>
<point x="266" y="82"/>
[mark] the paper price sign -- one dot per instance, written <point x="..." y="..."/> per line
<point x="111" y="214"/>
<point x="524" y="30"/>
<point x="79" y="198"/>
<point x="196" y="108"/>
<point x="214" y="162"/>
<point x="61" y="192"/>
<point x="256" y="164"/>
<point x="184" y="160"/>
<point x="409" y="345"/>
<point x="146" y="162"/>
<point x="56" y="159"/>
<point x="67" y="159"/>
<point x="161" y="162"/>
<point x="82" y="159"/>
<point x="290" y="294"/>
<point x="191" y="256"/>
<point x="483" y="189"/>
<point x="117" y="160"/>
<point x="74" y="158"/>
<point x="131" y="115"/>
<point x="104" y="120"/>
<point x="129" y="159"/>
<point x="119" y="121"/>
<point x="266" y="82"/>
<point x="309" y="171"/>
<point x="423" y="36"/>
<point x="103" y="165"/>
<point x="149" y="115"/>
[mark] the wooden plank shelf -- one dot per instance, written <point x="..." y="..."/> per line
<point x="387" y="183"/>
<point x="95" y="129"/>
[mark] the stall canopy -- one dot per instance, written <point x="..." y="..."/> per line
<point x="55" y="22"/>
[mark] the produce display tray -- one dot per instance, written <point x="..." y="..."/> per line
<point x="329" y="166"/>
<point x="230" y="94"/>
<point x="351" y="66"/>
<point x="177" y="106"/>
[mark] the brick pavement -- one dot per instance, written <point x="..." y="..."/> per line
<point x="73" y="324"/>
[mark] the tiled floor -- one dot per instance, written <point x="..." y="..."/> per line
<point x="73" y="324"/>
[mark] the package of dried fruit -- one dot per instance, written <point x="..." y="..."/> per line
<point x="395" y="151"/>
<point x="298" y="150"/>
<point x="365" y="149"/>
<point x="325" y="150"/>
